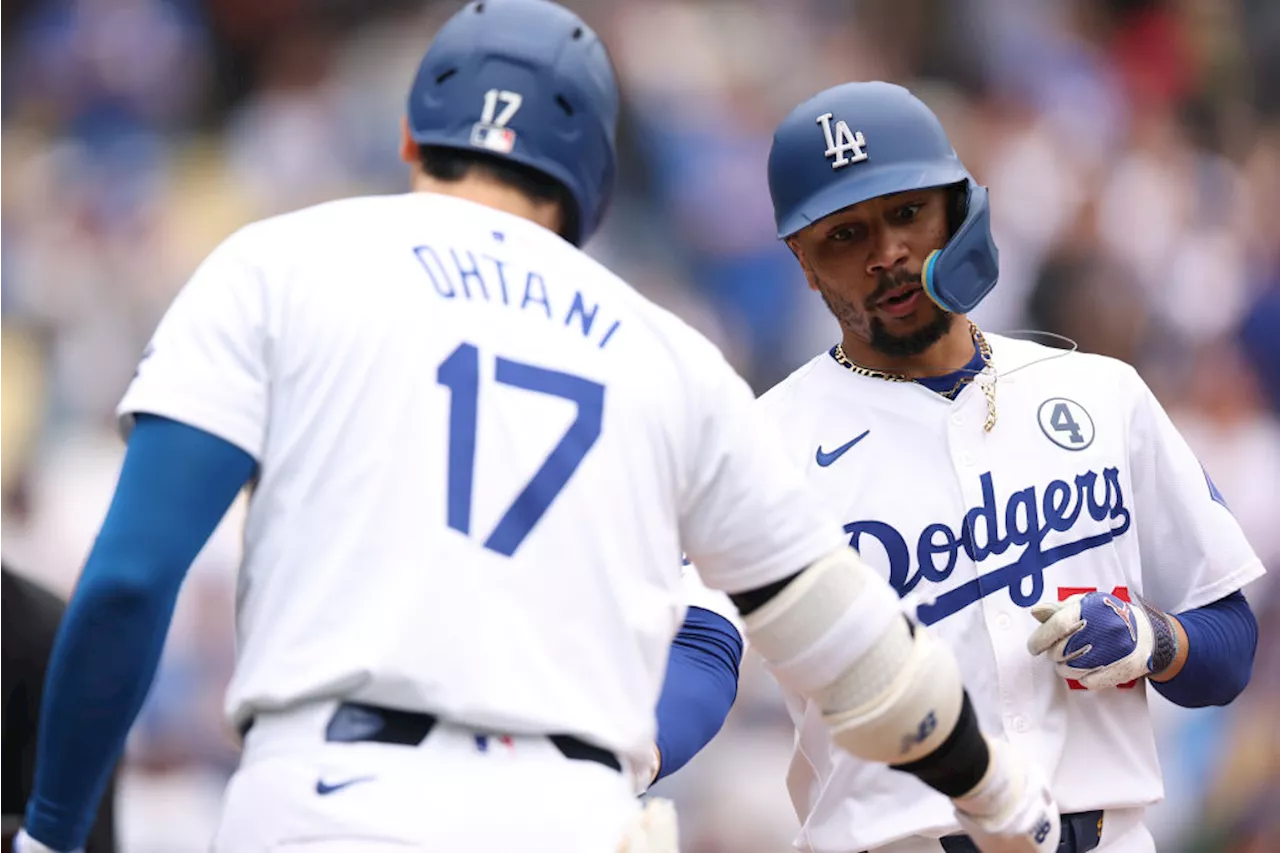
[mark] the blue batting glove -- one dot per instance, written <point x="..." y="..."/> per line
<point x="1102" y="641"/>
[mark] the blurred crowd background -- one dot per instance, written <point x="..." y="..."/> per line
<point x="1132" y="148"/>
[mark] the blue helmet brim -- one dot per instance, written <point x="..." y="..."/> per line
<point x="866" y="181"/>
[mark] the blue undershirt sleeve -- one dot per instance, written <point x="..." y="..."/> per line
<point x="1221" y="640"/>
<point x="700" y="686"/>
<point x="175" y="485"/>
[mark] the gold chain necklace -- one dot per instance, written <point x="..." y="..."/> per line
<point x="984" y="350"/>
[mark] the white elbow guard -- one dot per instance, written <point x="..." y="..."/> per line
<point x="837" y="635"/>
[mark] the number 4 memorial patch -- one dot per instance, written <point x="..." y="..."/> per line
<point x="1066" y="423"/>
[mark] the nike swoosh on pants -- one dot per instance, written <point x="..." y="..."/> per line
<point x="323" y="787"/>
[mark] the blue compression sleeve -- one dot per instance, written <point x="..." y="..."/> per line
<point x="701" y="684"/>
<point x="175" y="485"/>
<point x="1221" y="640"/>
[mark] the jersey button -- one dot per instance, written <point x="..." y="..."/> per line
<point x="957" y="419"/>
<point x="1004" y="621"/>
<point x="1020" y="724"/>
<point x="967" y="460"/>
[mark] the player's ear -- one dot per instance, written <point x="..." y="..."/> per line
<point x="793" y="243"/>
<point x="408" y="148"/>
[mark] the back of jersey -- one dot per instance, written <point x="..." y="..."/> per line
<point x="476" y="450"/>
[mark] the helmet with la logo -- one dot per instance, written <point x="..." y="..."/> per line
<point x="858" y="141"/>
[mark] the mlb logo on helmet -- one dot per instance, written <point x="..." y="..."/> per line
<point x="493" y="138"/>
<point x="491" y="132"/>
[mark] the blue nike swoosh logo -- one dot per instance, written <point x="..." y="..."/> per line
<point x="323" y="787"/>
<point x="825" y="458"/>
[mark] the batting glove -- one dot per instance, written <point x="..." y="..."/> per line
<point x="23" y="843"/>
<point x="1101" y="641"/>
<point x="1011" y="810"/>
<point x="655" y="830"/>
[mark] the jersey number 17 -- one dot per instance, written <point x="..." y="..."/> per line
<point x="460" y="373"/>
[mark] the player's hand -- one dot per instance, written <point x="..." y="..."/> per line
<point x="642" y="776"/>
<point x="1100" y="640"/>
<point x="655" y="830"/>
<point x="1011" y="809"/>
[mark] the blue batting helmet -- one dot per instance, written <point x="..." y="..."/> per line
<point x="862" y="140"/>
<point x="526" y="81"/>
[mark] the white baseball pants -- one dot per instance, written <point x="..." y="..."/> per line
<point x="294" y="792"/>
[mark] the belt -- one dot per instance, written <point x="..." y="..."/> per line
<point x="355" y="722"/>
<point x="1081" y="831"/>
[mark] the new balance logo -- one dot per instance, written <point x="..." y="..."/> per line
<point x="842" y="142"/>
<point x="927" y="727"/>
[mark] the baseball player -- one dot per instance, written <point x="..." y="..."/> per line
<point x="1035" y="508"/>
<point x="474" y="457"/>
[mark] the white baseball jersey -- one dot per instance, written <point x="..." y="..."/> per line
<point x="1082" y="484"/>
<point x="480" y="456"/>
<point x="698" y="594"/>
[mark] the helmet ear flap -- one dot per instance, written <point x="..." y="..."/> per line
<point x="965" y="270"/>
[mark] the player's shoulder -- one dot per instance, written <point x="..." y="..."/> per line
<point x="327" y="234"/>
<point x="314" y="234"/>
<point x="307" y="233"/>
<point x="683" y="341"/>
<point x="1048" y="362"/>
<point x="792" y="395"/>
<point x="346" y="216"/>
<point x="668" y="338"/>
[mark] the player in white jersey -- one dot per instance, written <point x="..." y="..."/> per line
<point x="475" y="457"/>
<point x="996" y="484"/>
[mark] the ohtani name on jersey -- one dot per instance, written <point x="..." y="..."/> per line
<point x="1027" y="518"/>
<point x="462" y="274"/>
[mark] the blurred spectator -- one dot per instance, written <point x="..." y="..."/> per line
<point x="102" y="68"/>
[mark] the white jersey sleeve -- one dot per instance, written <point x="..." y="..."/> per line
<point x="206" y="363"/>
<point x="747" y="516"/>
<point x="1193" y="549"/>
